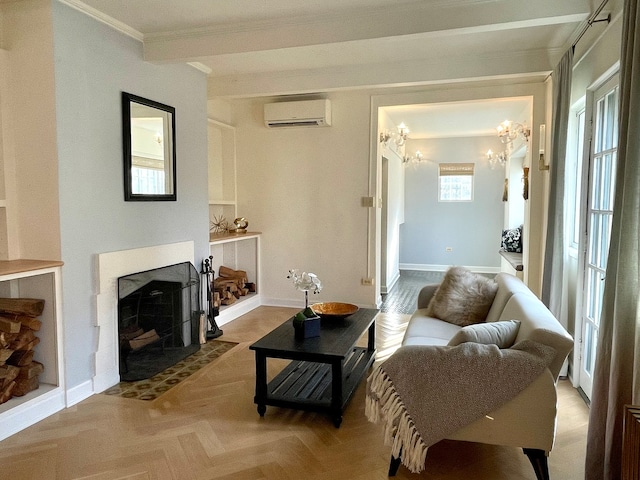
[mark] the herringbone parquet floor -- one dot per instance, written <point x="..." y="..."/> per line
<point x="208" y="428"/>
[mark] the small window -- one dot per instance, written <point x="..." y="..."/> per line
<point x="455" y="182"/>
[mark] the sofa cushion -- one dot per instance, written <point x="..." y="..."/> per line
<point x="503" y="333"/>
<point x="425" y="330"/>
<point x="463" y="298"/>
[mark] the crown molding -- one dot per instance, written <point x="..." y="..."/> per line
<point x="106" y="19"/>
<point x="200" y="66"/>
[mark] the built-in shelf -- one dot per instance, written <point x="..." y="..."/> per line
<point x="240" y="251"/>
<point x="3" y="203"/>
<point x="217" y="238"/>
<point x="37" y="279"/>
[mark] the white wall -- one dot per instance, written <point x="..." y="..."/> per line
<point x="29" y="131"/>
<point x="471" y="229"/>
<point x="93" y="64"/>
<point x="302" y="188"/>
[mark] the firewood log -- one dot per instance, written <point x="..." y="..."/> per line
<point x="25" y="336"/>
<point x="5" y="353"/>
<point x="251" y="286"/>
<point x="32" y="307"/>
<point x="29" y="322"/>
<point x="20" y="358"/>
<point x="9" y="326"/>
<point x="146" y="338"/>
<point x="29" y="371"/>
<point x="5" y="394"/>
<point x="24" y="386"/>
<point x="229" y="272"/>
<point x="8" y="373"/>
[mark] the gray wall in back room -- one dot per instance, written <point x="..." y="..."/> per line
<point x="471" y="229"/>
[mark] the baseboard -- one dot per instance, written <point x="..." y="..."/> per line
<point x="423" y="267"/>
<point x="81" y="392"/>
<point x="384" y="289"/>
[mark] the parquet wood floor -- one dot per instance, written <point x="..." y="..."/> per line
<point x="208" y="428"/>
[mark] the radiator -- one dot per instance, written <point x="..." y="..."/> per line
<point x="631" y="443"/>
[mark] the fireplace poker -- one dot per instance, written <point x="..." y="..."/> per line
<point x="207" y="271"/>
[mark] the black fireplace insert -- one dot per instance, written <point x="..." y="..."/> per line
<point x="158" y="319"/>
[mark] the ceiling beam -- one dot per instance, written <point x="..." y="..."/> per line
<point x="424" y="18"/>
<point x="401" y="74"/>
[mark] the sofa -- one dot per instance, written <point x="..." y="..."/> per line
<point x="528" y="419"/>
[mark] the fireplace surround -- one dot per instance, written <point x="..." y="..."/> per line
<point x="110" y="267"/>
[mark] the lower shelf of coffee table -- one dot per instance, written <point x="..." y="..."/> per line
<point x="308" y="385"/>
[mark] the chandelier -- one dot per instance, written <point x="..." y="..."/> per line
<point x="508" y="131"/>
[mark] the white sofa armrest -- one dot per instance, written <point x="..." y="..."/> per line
<point x="425" y="294"/>
<point x="527" y="421"/>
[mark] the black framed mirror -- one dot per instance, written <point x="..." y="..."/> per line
<point x="149" y="144"/>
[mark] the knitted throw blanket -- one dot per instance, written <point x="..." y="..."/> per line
<point x="425" y="393"/>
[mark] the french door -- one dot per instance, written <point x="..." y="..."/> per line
<point x="599" y="213"/>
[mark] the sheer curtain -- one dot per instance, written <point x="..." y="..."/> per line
<point x="554" y="256"/>
<point x="617" y="370"/>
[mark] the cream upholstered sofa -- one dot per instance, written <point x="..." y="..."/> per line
<point x="527" y="421"/>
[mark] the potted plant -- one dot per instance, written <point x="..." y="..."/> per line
<point x="306" y="323"/>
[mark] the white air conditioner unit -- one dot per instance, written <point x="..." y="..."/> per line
<point x="305" y="113"/>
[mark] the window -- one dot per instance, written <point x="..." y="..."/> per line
<point x="455" y="182"/>
<point x="574" y="179"/>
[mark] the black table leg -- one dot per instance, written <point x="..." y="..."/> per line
<point x="336" y="392"/>
<point x="261" y="383"/>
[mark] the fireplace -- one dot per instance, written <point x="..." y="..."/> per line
<point x="158" y="319"/>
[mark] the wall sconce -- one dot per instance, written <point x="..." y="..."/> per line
<point x="497" y="158"/>
<point x="508" y="131"/>
<point x="416" y="158"/>
<point x="542" y="163"/>
<point x="399" y="138"/>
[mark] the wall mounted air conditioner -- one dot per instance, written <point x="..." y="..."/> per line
<point x="305" y="113"/>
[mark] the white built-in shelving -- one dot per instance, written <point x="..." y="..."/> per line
<point x="239" y="251"/>
<point x="42" y="280"/>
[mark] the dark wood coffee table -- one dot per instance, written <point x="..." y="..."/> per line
<point x="324" y="371"/>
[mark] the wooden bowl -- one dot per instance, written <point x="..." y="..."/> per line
<point x="334" y="309"/>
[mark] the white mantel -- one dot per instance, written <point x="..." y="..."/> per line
<point x="111" y="266"/>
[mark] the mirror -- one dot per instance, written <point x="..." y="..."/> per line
<point x="149" y="149"/>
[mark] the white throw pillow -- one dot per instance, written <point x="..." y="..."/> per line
<point x="502" y="333"/>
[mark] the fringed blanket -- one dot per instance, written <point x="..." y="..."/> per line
<point x="425" y="393"/>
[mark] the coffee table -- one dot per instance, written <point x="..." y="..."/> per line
<point x="324" y="371"/>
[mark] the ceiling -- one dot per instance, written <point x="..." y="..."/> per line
<point x="253" y="48"/>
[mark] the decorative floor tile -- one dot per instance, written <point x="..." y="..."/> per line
<point x="152" y="388"/>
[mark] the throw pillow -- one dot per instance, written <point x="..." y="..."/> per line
<point x="512" y="240"/>
<point x="503" y="334"/>
<point x="463" y="298"/>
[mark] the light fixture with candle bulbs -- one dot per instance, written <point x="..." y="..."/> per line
<point x="508" y="131"/>
<point x="415" y="158"/>
<point x="399" y="137"/>
<point x="497" y="158"/>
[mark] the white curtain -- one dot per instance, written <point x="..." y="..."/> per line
<point x="553" y="284"/>
<point x="617" y="370"/>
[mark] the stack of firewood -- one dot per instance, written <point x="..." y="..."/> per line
<point x="230" y="285"/>
<point x="18" y="324"/>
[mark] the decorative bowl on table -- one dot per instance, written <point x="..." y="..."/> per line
<point x="334" y="310"/>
